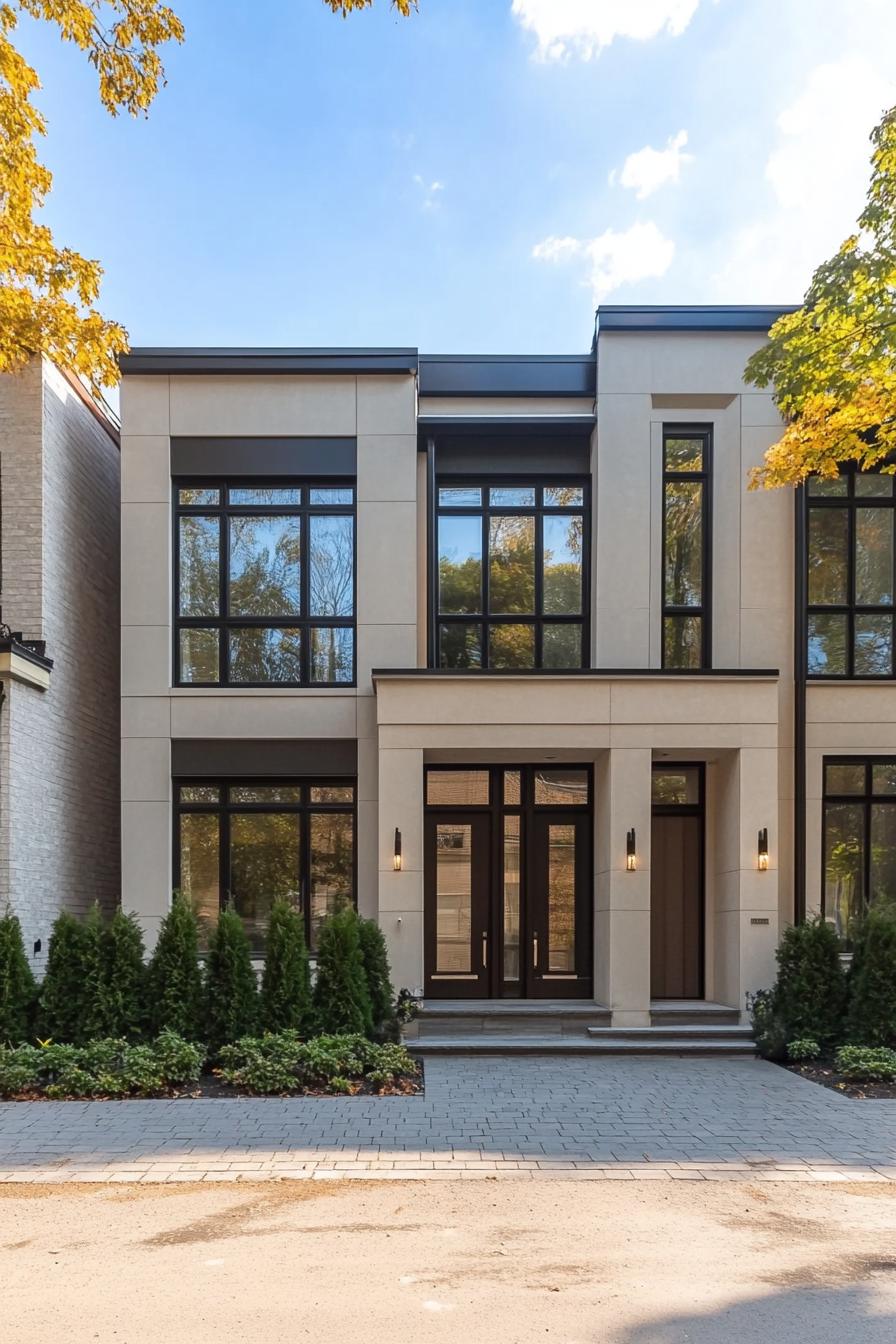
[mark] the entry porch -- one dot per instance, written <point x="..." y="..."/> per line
<point x="526" y="852"/>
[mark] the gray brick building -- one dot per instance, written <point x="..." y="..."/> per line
<point x="59" y="754"/>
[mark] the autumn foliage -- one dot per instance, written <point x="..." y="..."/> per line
<point x="833" y="362"/>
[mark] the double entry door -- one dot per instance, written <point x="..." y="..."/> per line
<point x="508" y="883"/>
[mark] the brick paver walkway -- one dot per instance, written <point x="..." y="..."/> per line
<point x="519" y="1117"/>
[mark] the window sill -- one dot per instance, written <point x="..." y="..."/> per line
<point x="281" y="692"/>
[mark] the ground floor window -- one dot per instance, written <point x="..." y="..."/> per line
<point x="859" y="836"/>
<point x="250" y="841"/>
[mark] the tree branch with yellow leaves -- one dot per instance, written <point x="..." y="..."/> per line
<point x="832" y="363"/>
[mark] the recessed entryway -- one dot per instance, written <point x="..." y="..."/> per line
<point x="677" y="952"/>
<point x="508" y="888"/>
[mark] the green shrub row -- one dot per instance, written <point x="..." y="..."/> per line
<point x="104" y="1068"/>
<point x="815" y="1005"/>
<point x="281" y="1064"/>
<point x="97" y="985"/>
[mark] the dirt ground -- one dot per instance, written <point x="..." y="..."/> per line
<point x="574" y="1262"/>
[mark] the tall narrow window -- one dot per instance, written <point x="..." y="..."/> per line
<point x="686" y="546"/>
<point x="251" y="843"/>
<point x="511" y="575"/>
<point x="850" y="575"/>
<point x="859" y="837"/>
<point x="265" y="590"/>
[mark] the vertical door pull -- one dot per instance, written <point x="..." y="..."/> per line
<point x="484" y="951"/>
<point x="535" y="951"/>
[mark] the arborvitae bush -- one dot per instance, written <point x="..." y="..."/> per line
<point x="62" y="1002"/>
<point x="379" y="981"/>
<point x="18" y="989"/>
<point x="93" y="1021"/>
<point x="286" y="981"/>
<point x="810" y="994"/>
<point x="231" y="992"/>
<point x="872" y="981"/>
<point x="124" y="977"/>
<point x="341" y="1000"/>
<point x="174" y="981"/>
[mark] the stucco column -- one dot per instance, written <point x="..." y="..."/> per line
<point x="622" y="898"/>
<point x="746" y="899"/>
<point x="401" y="893"/>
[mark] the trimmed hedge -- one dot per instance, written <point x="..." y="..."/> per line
<point x="341" y="996"/>
<point x="174" y="980"/>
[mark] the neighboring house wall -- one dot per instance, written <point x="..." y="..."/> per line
<point x="59" y="469"/>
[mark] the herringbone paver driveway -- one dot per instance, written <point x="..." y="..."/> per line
<point x="525" y="1117"/>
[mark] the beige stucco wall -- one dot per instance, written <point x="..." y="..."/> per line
<point x="621" y="725"/>
<point x="639" y="374"/>
<point x="379" y="411"/>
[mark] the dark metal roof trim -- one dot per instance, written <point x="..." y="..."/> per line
<point x="689" y="317"/>
<point x="223" y="359"/>
<point x="526" y="423"/>
<point x="507" y="375"/>
<point x="32" y="650"/>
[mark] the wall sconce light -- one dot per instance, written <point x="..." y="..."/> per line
<point x="762" y="853"/>
<point x="631" y="857"/>
<point x="396" y="855"/>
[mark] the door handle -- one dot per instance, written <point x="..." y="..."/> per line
<point x="485" y="951"/>
<point x="535" y="951"/>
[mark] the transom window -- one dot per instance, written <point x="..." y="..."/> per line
<point x="850" y="577"/>
<point x="511" y="575"/>
<point x="265" y="583"/>
<point x="859" y="837"/>
<point x="251" y="841"/>
<point x="686" y="546"/>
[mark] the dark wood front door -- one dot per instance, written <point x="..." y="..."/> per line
<point x="676" y="906"/>
<point x="507" y="880"/>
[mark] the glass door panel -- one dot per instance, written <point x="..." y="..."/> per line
<point x="511" y="949"/>
<point x="559" y="907"/>
<point x="456" y="912"/>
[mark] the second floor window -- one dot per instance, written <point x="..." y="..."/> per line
<point x="265" y="583"/>
<point x="686" y="547"/>
<point x="511" y="580"/>
<point x="850" y="575"/>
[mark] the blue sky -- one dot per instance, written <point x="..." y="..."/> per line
<point x="473" y="178"/>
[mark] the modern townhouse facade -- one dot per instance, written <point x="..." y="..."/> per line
<point x="59" y="624"/>
<point x="505" y="650"/>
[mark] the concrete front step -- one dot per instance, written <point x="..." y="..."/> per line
<point x="507" y="1017"/>
<point x="500" y="1043"/>
<point x="692" y="1012"/>
<point x="710" y="1032"/>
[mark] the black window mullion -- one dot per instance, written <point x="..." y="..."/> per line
<point x="224" y="590"/>
<point x="486" y="581"/>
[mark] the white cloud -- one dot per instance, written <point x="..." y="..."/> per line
<point x="564" y="28"/>
<point x="649" y="169"/>
<point x="818" y="172"/>
<point x="614" y="258"/>
<point x="430" y="192"/>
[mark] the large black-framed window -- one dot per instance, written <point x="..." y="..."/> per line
<point x="510" y="568"/>
<point x="850" y="575"/>
<point x="250" y="841"/>
<point x="687" y="546"/>
<point x="264" y="590"/>
<point x="858" y="837"/>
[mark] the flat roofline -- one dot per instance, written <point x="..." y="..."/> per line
<point x="269" y="359"/>
<point x="595" y="673"/>
<point x="689" y="317"/>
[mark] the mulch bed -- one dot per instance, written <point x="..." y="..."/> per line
<point x="817" y="1071"/>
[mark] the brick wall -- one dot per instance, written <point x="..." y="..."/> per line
<point x="59" y="776"/>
